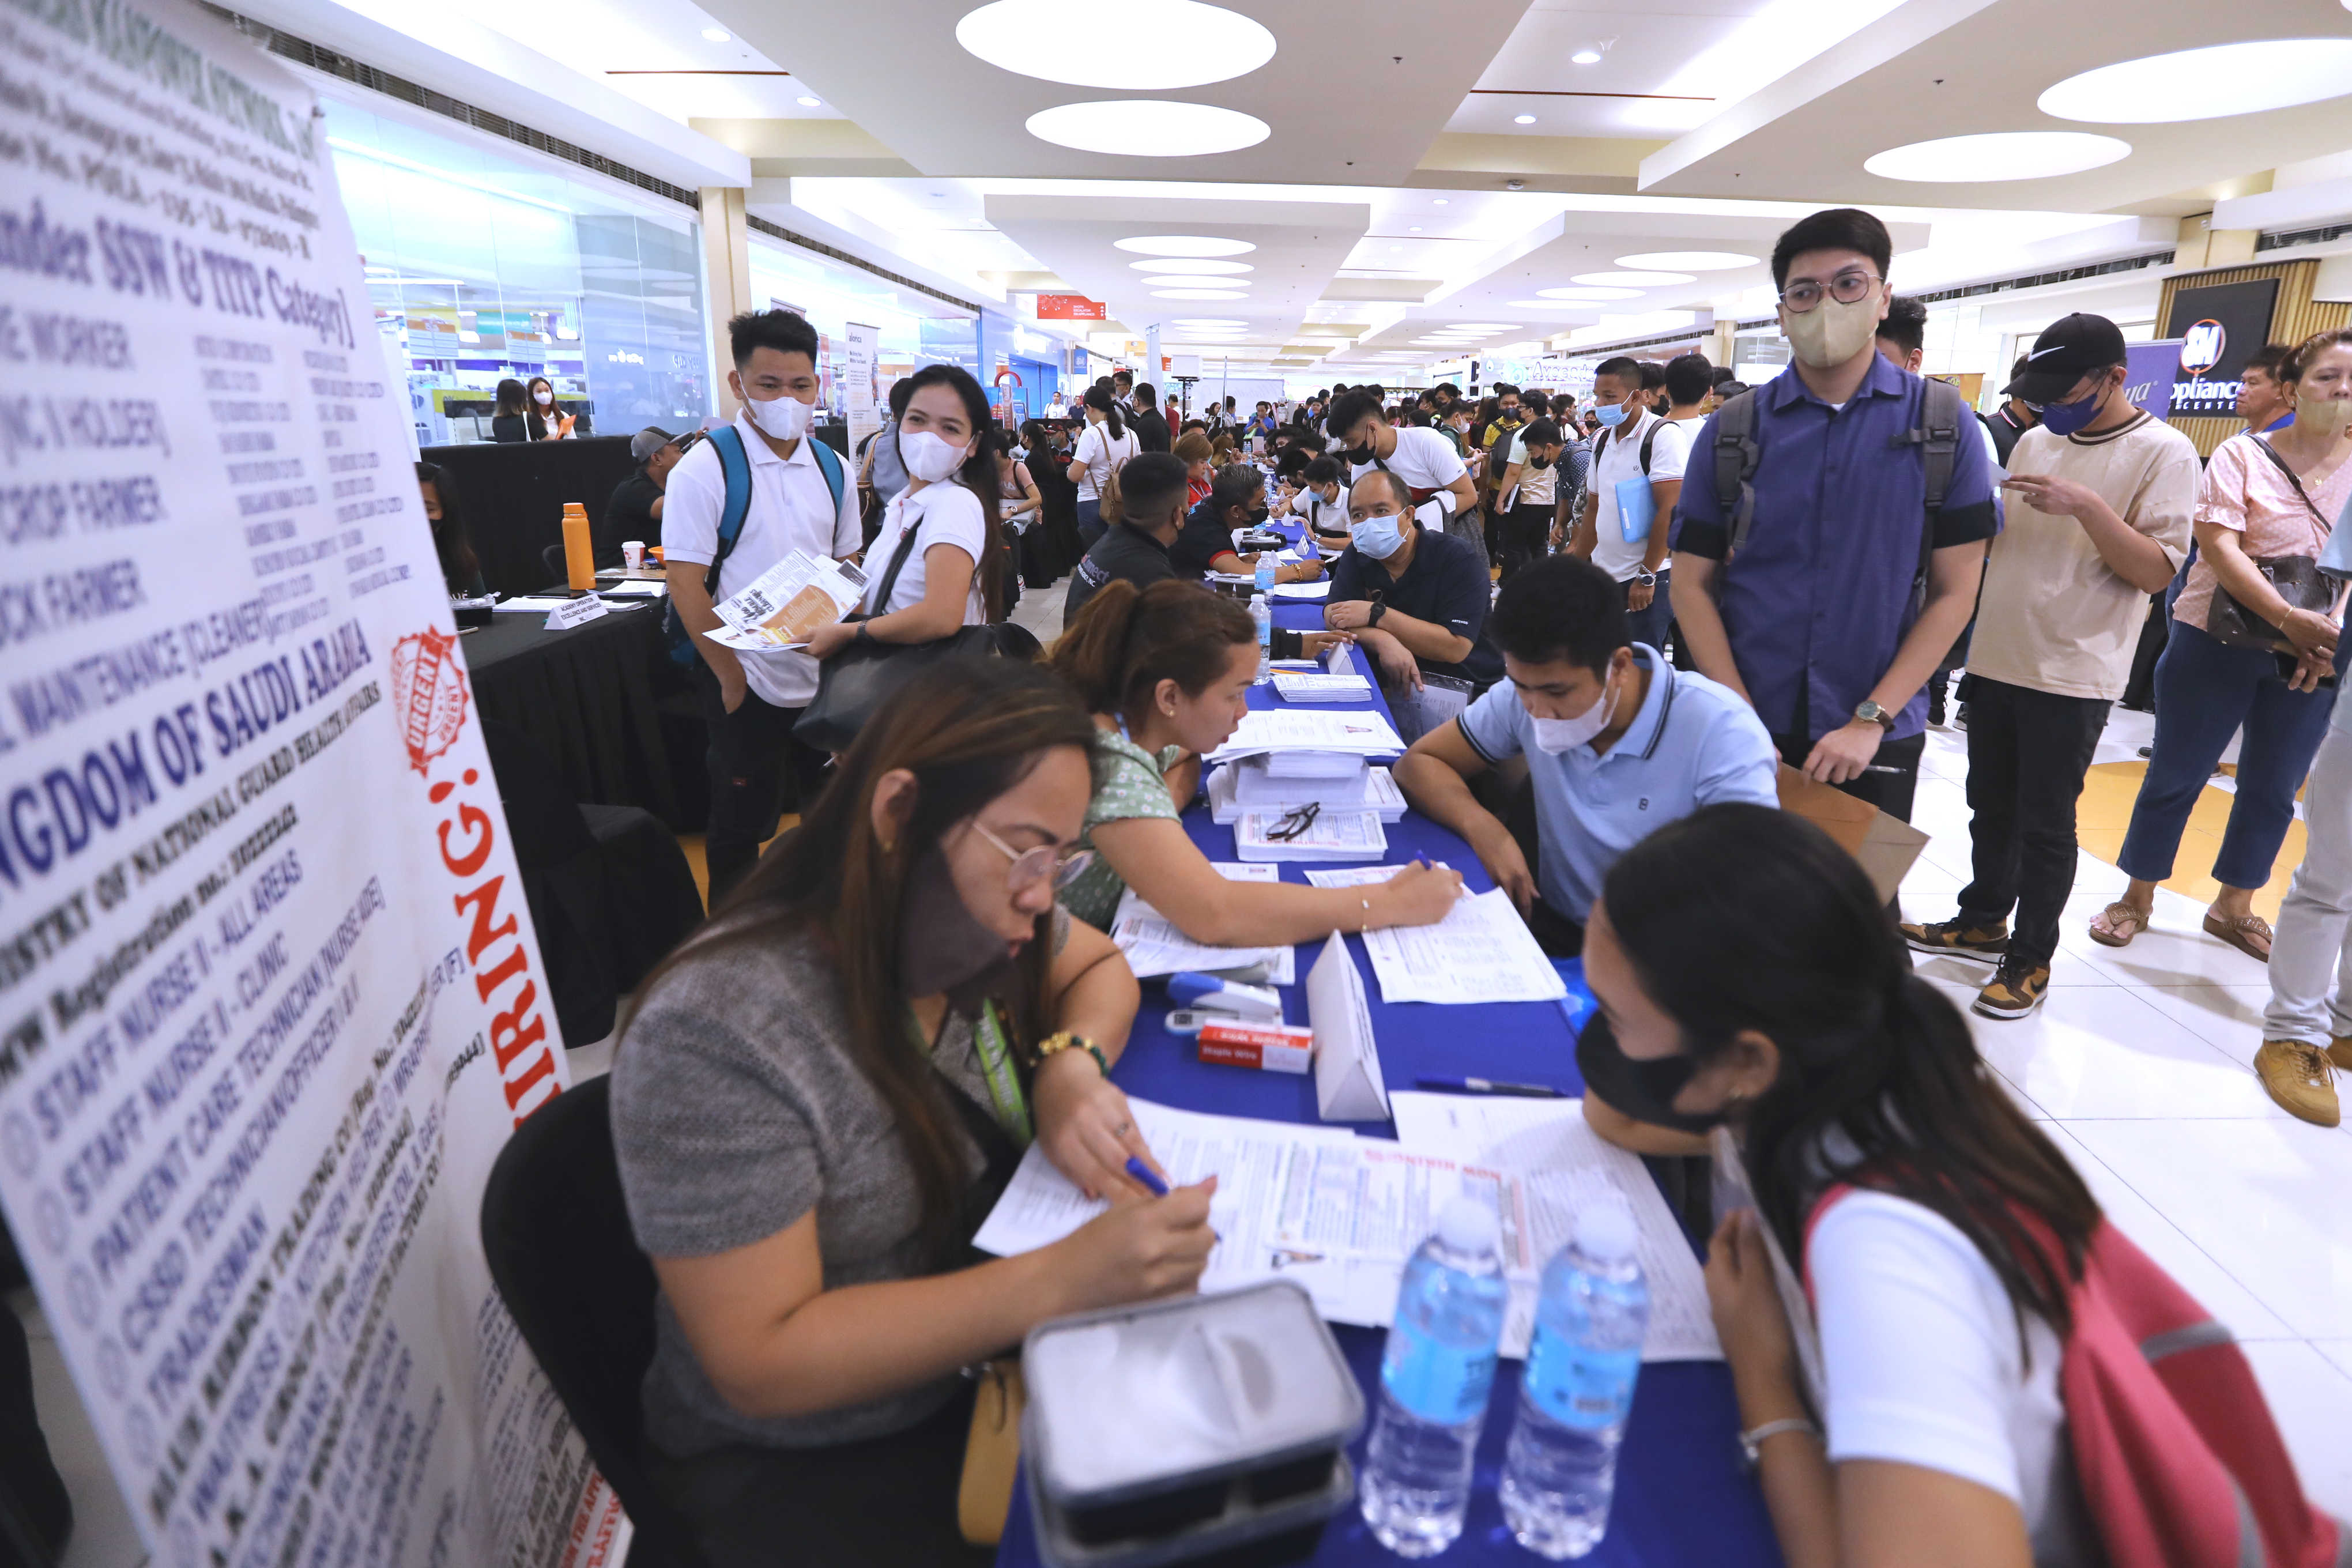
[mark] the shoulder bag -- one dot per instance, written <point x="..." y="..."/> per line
<point x="2295" y="578"/>
<point x="858" y="681"/>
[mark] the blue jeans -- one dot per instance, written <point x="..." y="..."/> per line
<point x="2204" y="691"/>
<point x="1091" y="526"/>
<point x="1649" y="626"/>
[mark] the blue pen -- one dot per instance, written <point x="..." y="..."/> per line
<point x="1153" y="1185"/>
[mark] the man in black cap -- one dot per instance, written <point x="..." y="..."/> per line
<point x="634" y="509"/>
<point x="2100" y="496"/>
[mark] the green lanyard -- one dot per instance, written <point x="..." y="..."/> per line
<point x="1004" y="1093"/>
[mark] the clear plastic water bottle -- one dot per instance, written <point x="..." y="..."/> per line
<point x="1435" y="1378"/>
<point x="1261" y="618"/>
<point x="1561" y="1470"/>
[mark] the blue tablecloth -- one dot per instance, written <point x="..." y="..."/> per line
<point x="1681" y="1497"/>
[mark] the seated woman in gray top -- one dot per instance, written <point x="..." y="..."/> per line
<point x="821" y="1095"/>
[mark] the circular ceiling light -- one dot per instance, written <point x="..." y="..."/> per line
<point x="1633" y="279"/>
<point x="1998" y="155"/>
<point x="1188" y="282"/>
<point x="1586" y="57"/>
<point x="1148" y="128"/>
<point x="1687" y="260"/>
<point x="1523" y="120"/>
<point x="1182" y="245"/>
<point x="1547" y="305"/>
<point x="1190" y="264"/>
<point x="1589" y="296"/>
<point x="1442" y="201"/>
<point x="1198" y="294"/>
<point x="716" y="35"/>
<point x="2205" y="84"/>
<point x="1219" y="322"/>
<point x="1137" y="46"/>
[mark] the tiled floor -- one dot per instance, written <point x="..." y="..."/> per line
<point x="2139" y="1064"/>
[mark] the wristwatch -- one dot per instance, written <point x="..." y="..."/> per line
<point x="1646" y="579"/>
<point x="1872" y="713"/>
<point x="1379" y="608"/>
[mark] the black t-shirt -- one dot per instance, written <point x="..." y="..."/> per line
<point x="1152" y="430"/>
<point x="1446" y="585"/>
<point x="629" y="514"/>
<point x="1124" y="551"/>
<point x="1201" y="540"/>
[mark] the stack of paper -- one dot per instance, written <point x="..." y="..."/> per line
<point x="1361" y="876"/>
<point x="1333" y="836"/>
<point x="1376" y="792"/>
<point x="1320" y="588"/>
<point x="1265" y="731"/>
<point x="784" y="605"/>
<point x="1154" y="945"/>
<point x="1481" y="951"/>
<point x="1349" y="688"/>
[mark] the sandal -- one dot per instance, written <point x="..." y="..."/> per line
<point x="2116" y="925"/>
<point x="2242" y="933"/>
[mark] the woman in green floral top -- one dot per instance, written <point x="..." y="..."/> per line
<point x="1166" y="672"/>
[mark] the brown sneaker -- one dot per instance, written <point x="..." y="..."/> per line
<point x="1960" y="939"/>
<point x="2339" y="1051"/>
<point x="2016" y="989"/>
<point x="2298" y="1079"/>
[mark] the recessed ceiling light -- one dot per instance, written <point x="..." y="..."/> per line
<point x="1148" y="128"/>
<point x="1442" y="201"/>
<point x="1137" y="46"/>
<point x="1633" y="279"/>
<point x="1523" y="120"/>
<point x="1187" y="281"/>
<point x="716" y="35"/>
<point x="2205" y="84"/>
<point x="1190" y="264"/>
<point x="1586" y="57"/>
<point x="1198" y="294"/>
<point x="1591" y="295"/>
<point x="1687" y="260"/>
<point x="1546" y="305"/>
<point x="1182" y="245"/>
<point x="1998" y="155"/>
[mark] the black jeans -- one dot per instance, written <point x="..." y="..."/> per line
<point x="2028" y="753"/>
<point x="751" y="752"/>
<point x="1891" y="793"/>
<point x="1526" y="537"/>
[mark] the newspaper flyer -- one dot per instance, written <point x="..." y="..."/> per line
<point x="783" y="606"/>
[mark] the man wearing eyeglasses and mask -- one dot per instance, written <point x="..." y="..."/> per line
<point x="1417" y="600"/>
<point x="1823" y="617"/>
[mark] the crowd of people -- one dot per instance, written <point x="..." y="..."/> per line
<point x="1607" y="628"/>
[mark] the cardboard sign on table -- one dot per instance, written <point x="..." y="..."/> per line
<point x="1348" y="1082"/>
<point x="1884" y="846"/>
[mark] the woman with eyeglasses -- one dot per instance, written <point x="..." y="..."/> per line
<point x="1166" y="671"/>
<point x="822" y="1094"/>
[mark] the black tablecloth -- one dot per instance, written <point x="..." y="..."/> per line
<point x="601" y="700"/>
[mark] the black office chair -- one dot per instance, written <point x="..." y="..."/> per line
<point x="556" y="1232"/>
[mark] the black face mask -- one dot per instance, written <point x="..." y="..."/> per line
<point x="1539" y="462"/>
<point x="941" y="947"/>
<point x="1359" y="454"/>
<point x="1257" y="519"/>
<point x="1643" y="1091"/>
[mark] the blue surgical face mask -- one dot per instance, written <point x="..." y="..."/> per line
<point x="2065" y="418"/>
<point x="1378" y="537"/>
<point x="1611" y="413"/>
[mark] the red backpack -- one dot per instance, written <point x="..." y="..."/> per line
<point x="2179" y="1462"/>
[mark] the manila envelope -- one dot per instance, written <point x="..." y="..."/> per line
<point x="1884" y="846"/>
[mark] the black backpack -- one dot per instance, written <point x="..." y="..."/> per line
<point x="1943" y="414"/>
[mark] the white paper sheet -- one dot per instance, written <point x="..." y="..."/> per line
<point x="533" y="604"/>
<point x="1358" y="876"/>
<point x="1481" y="951"/>
<point x="787" y="602"/>
<point x="1321" y="687"/>
<point x="1319" y="589"/>
<point x="1265" y="730"/>
<point x="1333" y="836"/>
<point x="1561" y="1165"/>
<point x="1154" y="945"/>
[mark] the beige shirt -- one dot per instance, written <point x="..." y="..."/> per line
<point x="2054" y="617"/>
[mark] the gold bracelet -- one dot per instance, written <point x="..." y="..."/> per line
<point x="1063" y="1040"/>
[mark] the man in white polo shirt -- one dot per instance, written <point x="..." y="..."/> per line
<point x="1444" y="501"/>
<point x="1636" y="445"/>
<point x="799" y="501"/>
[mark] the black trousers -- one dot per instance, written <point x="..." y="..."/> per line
<point x="752" y="754"/>
<point x="2028" y="753"/>
<point x="1525" y="537"/>
<point x="1891" y="793"/>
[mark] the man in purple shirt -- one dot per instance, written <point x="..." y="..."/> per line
<point x="1820" y="622"/>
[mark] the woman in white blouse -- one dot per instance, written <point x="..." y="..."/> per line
<point x="1107" y="444"/>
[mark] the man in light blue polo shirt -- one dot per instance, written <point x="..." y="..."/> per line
<point x="1618" y="744"/>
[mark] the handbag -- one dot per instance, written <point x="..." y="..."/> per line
<point x="855" y="684"/>
<point x="2296" y="579"/>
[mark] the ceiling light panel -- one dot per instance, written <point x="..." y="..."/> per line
<point x="1137" y="46"/>
<point x="1633" y="279"/>
<point x="1183" y="281"/>
<point x="1148" y="128"/>
<point x="1190" y="264"/>
<point x="1687" y="260"/>
<point x="2205" y="84"/>
<point x="1198" y="294"/>
<point x="1182" y="245"/>
<point x="1591" y="296"/>
<point x="1998" y="155"/>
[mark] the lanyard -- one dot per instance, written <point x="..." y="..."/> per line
<point x="1004" y="1093"/>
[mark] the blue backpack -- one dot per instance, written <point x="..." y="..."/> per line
<point x="736" y="467"/>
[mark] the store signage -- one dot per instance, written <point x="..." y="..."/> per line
<point x="1070" y="308"/>
<point x="2148" y="370"/>
<point x="270" y="998"/>
<point x="861" y="398"/>
<point x="2218" y="326"/>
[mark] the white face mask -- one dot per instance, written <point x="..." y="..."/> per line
<point x="930" y="458"/>
<point x="544" y="396"/>
<point x="785" y="418"/>
<point x="1554" y="736"/>
<point x="1830" y="333"/>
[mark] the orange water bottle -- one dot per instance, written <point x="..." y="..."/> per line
<point x="579" y="551"/>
